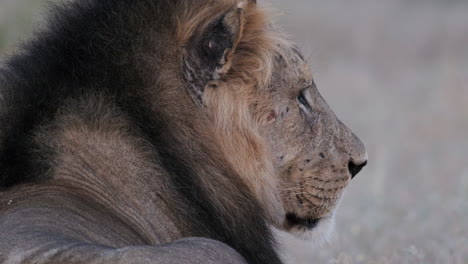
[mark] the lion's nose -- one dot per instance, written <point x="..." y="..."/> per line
<point x="355" y="167"/>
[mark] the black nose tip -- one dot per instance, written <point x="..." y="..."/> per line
<point x="354" y="168"/>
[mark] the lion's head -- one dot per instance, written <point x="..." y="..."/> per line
<point x="314" y="155"/>
<point x="269" y="118"/>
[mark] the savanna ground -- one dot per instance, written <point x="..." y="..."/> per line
<point x="396" y="72"/>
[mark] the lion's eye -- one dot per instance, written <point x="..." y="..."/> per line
<point x="302" y="99"/>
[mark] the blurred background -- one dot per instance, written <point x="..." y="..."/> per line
<point x="396" y="72"/>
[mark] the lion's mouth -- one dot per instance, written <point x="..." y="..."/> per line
<point x="295" y="221"/>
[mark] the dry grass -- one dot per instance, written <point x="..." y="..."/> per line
<point x="396" y="72"/>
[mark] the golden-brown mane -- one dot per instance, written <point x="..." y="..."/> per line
<point x="230" y="100"/>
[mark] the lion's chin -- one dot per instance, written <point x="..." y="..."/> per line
<point x="316" y="232"/>
<point x="303" y="237"/>
<point x="320" y="233"/>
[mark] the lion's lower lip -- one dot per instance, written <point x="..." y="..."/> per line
<point x="309" y="223"/>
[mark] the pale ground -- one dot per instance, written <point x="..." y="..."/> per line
<point x="396" y="72"/>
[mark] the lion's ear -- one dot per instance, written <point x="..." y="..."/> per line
<point x="209" y="52"/>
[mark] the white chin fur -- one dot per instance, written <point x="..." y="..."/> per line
<point x="318" y="235"/>
<point x="287" y="241"/>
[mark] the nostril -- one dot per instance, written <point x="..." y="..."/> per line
<point x="354" y="168"/>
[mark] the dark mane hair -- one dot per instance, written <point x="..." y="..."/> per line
<point x="122" y="50"/>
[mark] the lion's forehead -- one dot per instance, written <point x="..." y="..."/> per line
<point x="292" y="69"/>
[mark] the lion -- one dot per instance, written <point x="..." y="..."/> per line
<point x="165" y="131"/>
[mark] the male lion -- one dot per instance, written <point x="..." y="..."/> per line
<point x="128" y="126"/>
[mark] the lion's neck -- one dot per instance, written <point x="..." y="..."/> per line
<point x="94" y="153"/>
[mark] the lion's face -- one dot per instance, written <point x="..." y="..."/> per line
<point x="314" y="155"/>
<point x="269" y="119"/>
<point x="288" y="142"/>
